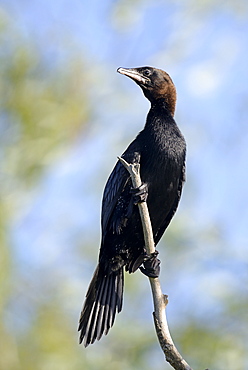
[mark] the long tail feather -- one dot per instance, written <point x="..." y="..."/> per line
<point x="103" y="300"/>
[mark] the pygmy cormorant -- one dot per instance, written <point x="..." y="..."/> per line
<point x="160" y="150"/>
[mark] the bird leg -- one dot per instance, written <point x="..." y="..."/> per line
<point x="140" y="193"/>
<point x="151" y="265"/>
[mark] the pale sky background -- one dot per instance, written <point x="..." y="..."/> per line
<point x="204" y="49"/>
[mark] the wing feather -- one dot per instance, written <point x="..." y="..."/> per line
<point x="116" y="184"/>
<point x="167" y="220"/>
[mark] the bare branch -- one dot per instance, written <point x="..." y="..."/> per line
<point x="159" y="299"/>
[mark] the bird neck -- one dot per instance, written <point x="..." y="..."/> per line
<point x="161" y="107"/>
<point x="159" y="117"/>
<point x="164" y="104"/>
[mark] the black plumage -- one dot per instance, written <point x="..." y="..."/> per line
<point x="160" y="149"/>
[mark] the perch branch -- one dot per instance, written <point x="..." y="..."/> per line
<point x="159" y="299"/>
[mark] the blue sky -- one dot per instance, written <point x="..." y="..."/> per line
<point x="205" y="52"/>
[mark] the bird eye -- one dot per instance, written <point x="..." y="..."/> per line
<point x="146" y="72"/>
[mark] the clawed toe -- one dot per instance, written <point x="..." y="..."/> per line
<point x="151" y="266"/>
<point x="140" y="194"/>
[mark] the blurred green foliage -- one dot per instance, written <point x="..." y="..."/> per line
<point x="44" y="106"/>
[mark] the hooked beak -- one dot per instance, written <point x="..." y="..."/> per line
<point x="134" y="75"/>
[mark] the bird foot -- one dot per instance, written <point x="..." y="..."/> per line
<point x="151" y="266"/>
<point x="140" y="194"/>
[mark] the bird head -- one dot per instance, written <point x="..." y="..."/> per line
<point x="155" y="83"/>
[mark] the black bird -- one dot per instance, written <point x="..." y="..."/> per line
<point x="160" y="149"/>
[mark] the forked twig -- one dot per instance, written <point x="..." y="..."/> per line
<point x="159" y="299"/>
